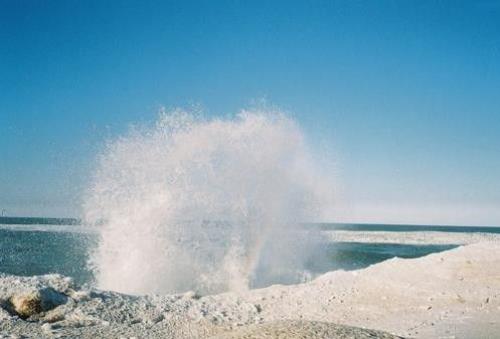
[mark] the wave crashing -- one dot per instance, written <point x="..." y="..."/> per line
<point x="204" y="204"/>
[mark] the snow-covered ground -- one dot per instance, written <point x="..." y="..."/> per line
<point x="452" y="294"/>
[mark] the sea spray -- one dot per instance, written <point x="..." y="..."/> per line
<point x="203" y="204"/>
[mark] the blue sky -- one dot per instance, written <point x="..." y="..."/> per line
<point x="405" y="94"/>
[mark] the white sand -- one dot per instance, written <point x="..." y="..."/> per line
<point x="453" y="294"/>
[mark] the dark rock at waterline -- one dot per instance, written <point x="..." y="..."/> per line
<point x="32" y="302"/>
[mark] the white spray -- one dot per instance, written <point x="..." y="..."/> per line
<point x="205" y="205"/>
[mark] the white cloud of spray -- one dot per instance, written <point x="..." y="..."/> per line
<point x="204" y="204"/>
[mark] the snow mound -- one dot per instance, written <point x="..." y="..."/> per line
<point x="449" y="294"/>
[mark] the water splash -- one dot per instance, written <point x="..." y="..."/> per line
<point x="205" y="205"/>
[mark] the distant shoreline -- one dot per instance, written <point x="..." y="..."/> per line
<point x="364" y="227"/>
<point x="39" y="221"/>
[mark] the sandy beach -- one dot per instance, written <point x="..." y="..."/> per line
<point x="452" y="294"/>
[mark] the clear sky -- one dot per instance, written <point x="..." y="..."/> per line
<point x="405" y="94"/>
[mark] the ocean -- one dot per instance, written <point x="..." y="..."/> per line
<point x="35" y="246"/>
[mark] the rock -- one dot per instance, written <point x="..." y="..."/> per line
<point x="30" y="303"/>
<point x="26" y="305"/>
